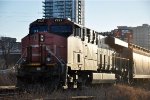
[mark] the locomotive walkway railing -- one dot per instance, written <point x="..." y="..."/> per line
<point x="63" y="64"/>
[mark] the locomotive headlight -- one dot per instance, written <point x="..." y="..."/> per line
<point x="38" y="68"/>
<point x="41" y="38"/>
<point x="24" y="60"/>
<point x="48" y="59"/>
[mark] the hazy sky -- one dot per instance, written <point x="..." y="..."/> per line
<point x="100" y="15"/>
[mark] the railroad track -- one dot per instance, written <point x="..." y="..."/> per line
<point x="11" y="92"/>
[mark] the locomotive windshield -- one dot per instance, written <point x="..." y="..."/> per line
<point x="41" y="28"/>
<point x="64" y="30"/>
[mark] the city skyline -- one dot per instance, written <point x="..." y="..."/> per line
<point x="100" y="15"/>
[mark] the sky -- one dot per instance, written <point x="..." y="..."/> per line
<point x="100" y="15"/>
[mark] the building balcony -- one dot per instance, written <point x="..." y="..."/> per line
<point x="47" y="2"/>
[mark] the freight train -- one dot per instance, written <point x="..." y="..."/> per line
<point x="64" y="53"/>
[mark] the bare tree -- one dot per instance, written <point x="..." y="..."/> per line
<point x="6" y="45"/>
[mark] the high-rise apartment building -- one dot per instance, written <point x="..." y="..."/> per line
<point x="141" y="35"/>
<point x="69" y="9"/>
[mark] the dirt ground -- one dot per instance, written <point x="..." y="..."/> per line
<point x="115" y="92"/>
<point x="7" y="77"/>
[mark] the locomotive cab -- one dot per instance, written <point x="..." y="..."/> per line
<point x="44" y="51"/>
